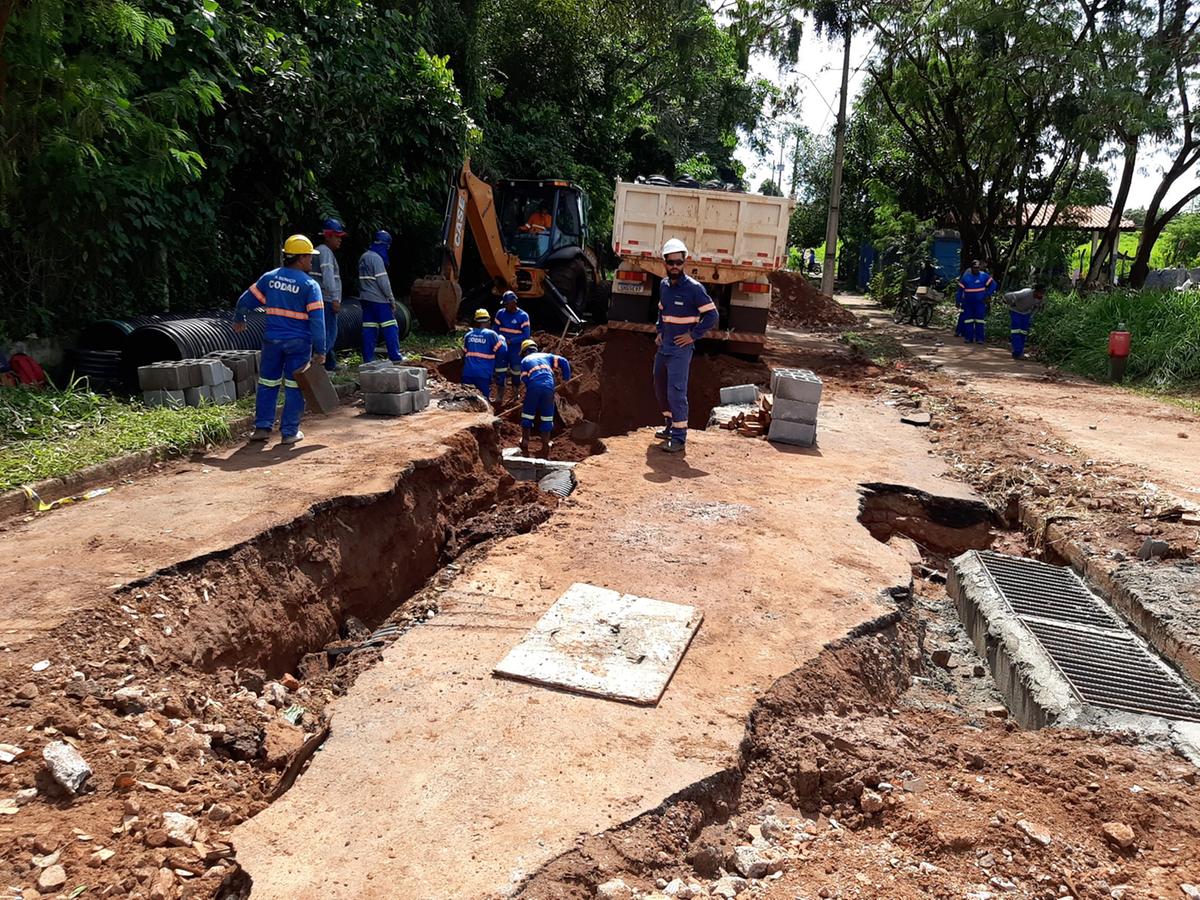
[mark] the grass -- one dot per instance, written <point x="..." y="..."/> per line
<point x="881" y="349"/>
<point x="52" y="433"/>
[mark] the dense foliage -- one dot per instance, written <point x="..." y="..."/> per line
<point x="154" y="152"/>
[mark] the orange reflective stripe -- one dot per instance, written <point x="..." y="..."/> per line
<point x="967" y="290"/>
<point x="706" y="307"/>
<point x="316" y="304"/>
<point x="500" y="345"/>
<point x="539" y="367"/>
<point x="482" y="355"/>
<point x="286" y="313"/>
<point x="679" y="424"/>
<point x="258" y="295"/>
<point x="511" y="330"/>
<point x="681" y="320"/>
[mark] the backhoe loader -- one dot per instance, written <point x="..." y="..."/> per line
<point x="532" y="237"/>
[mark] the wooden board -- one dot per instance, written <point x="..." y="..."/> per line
<point x="606" y="644"/>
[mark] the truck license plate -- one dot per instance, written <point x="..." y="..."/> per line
<point x="628" y="287"/>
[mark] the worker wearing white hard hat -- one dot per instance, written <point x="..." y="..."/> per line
<point x="685" y="313"/>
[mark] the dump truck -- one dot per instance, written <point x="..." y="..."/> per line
<point x="735" y="240"/>
<point x="532" y="236"/>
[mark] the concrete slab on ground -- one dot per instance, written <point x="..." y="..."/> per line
<point x="442" y="781"/>
<point x="76" y="555"/>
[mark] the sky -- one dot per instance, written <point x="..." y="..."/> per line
<point x="819" y="75"/>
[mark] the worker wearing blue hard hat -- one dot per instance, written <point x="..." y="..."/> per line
<point x="328" y="274"/>
<point x="378" y="299"/>
<point x="513" y="324"/>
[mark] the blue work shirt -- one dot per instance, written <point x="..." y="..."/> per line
<point x="293" y="304"/>
<point x="537" y="370"/>
<point x="683" y="308"/>
<point x="514" y="326"/>
<point x="481" y="346"/>
<point x="975" y="287"/>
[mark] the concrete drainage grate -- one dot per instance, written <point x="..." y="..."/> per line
<point x="1034" y="588"/>
<point x="1103" y="661"/>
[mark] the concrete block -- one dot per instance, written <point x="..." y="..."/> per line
<point x="173" y="399"/>
<point x="190" y="375"/>
<point x="741" y="393"/>
<point x="420" y="399"/>
<point x="416" y="376"/>
<point x="383" y="381"/>
<point x="795" y="411"/>
<point x="240" y="362"/>
<point x="796" y="384"/>
<point x="213" y="372"/>
<point x="151" y="377"/>
<point x="224" y="393"/>
<point x="194" y="396"/>
<point x="246" y="387"/>
<point x="389" y="404"/>
<point x="802" y="434"/>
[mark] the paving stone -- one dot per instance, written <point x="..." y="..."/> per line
<point x="420" y="399"/>
<point x="795" y="411"/>
<point x="173" y="399"/>
<point x="741" y="393"/>
<point x="416" y="377"/>
<point x="802" y="434"/>
<point x="194" y="396"/>
<point x="390" y="404"/>
<point x="384" y="381"/>
<point x="213" y="372"/>
<point x="796" y="384"/>
<point x="224" y="393"/>
<point x="246" y="387"/>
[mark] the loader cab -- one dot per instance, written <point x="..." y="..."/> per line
<point x="538" y="219"/>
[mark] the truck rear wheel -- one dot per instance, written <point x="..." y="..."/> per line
<point x="570" y="277"/>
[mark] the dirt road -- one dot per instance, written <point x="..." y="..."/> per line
<point x="72" y="557"/>
<point x="441" y="781"/>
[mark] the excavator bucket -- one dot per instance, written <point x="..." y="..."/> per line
<point x="435" y="303"/>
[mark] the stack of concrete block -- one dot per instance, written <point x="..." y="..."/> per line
<point x="244" y="365"/>
<point x="393" y="390"/>
<point x="187" y="382"/>
<point x="796" y="397"/>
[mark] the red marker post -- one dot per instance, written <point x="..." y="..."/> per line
<point x="1118" y="352"/>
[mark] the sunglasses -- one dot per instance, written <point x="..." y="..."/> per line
<point x="673" y="262"/>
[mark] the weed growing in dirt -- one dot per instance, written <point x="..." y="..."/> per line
<point x="53" y="432"/>
<point x="1072" y="332"/>
<point x="881" y="349"/>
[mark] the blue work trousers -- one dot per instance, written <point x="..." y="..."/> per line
<point x="331" y="332"/>
<point x="484" y="384"/>
<point x="539" y="406"/>
<point x="1019" y="331"/>
<point x="975" y="321"/>
<point x="280" y="359"/>
<point x="671" y="366"/>
<point x="379" y="317"/>
<point x="508" y="361"/>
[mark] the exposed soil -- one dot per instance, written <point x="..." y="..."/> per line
<point x="845" y="788"/>
<point x="797" y="303"/>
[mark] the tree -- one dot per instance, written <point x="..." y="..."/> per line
<point x="1180" y="241"/>
<point x="769" y="188"/>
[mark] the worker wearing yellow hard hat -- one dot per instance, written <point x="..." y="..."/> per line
<point x="481" y="345"/>
<point x="294" y="334"/>
<point x="538" y="371"/>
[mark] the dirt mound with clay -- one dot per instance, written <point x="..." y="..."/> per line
<point x="796" y="303"/>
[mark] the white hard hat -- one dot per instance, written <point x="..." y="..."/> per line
<point x="675" y="245"/>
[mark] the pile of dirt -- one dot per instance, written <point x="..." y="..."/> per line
<point x="847" y="788"/>
<point x="796" y="303"/>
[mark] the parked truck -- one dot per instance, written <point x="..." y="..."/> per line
<point x="735" y="240"/>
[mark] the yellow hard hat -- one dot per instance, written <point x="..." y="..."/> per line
<point x="299" y="245"/>
<point x="482" y="315"/>
<point x="528" y="344"/>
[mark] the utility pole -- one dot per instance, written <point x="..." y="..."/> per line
<point x="835" y="189"/>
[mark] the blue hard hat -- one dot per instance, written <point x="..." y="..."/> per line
<point x="382" y="237"/>
<point x="508" y="296"/>
<point x="333" y="226"/>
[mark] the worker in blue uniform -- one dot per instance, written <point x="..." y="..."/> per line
<point x="537" y="373"/>
<point x="481" y="348"/>
<point x="295" y="333"/>
<point x="328" y="275"/>
<point x="1021" y="307"/>
<point x="975" y="288"/>
<point x="685" y="313"/>
<point x="378" y="300"/>
<point x="513" y="324"/>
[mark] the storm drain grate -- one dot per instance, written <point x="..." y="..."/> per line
<point x="1103" y="660"/>
<point x="1112" y="668"/>
<point x="1034" y="588"/>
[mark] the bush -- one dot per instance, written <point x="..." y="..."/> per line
<point x="1072" y="332"/>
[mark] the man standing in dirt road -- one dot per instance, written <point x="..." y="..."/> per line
<point x="328" y="275"/>
<point x="975" y="288"/>
<point x="685" y="313"/>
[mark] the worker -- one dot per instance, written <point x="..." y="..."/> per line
<point x="481" y="348"/>
<point x="328" y="275"/>
<point x="685" y="313"/>
<point x="295" y="333"/>
<point x="513" y="324"/>
<point x="539" y="220"/>
<point x="1021" y="307"/>
<point x="537" y="372"/>
<point x="975" y="288"/>
<point x="378" y="301"/>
